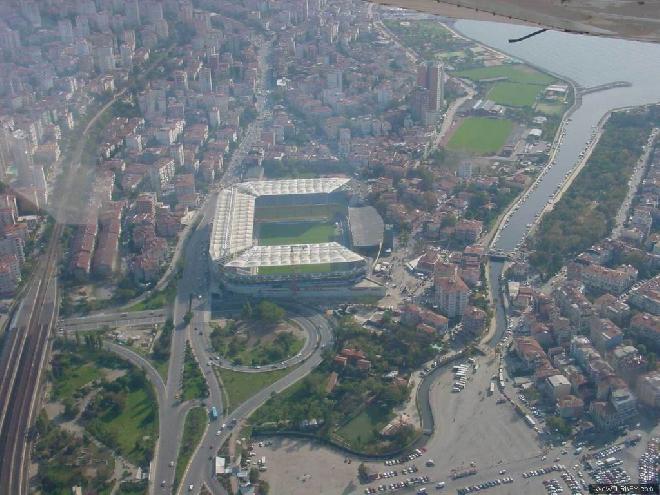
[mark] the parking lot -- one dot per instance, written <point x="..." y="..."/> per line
<point x="477" y="435"/>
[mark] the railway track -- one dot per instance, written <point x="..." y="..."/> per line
<point x="25" y="353"/>
<point x="21" y="380"/>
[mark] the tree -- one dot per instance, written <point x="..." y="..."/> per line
<point x="70" y="409"/>
<point x="269" y="312"/>
<point x="246" y="311"/>
<point x="254" y="475"/>
<point x="363" y="472"/>
<point x="558" y="425"/>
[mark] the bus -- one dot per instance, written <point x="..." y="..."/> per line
<point x="214" y="413"/>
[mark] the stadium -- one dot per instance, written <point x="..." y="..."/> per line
<point x="282" y="237"/>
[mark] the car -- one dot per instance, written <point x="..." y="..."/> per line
<point x="191" y="487"/>
<point x="163" y="483"/>
<point x="217" y="433"/>
<point x="502" y="471"/>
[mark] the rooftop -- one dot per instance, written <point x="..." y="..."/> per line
<point x="366" y="226"/>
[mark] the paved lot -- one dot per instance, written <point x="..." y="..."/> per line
<point x="471" y="427"/>
<point x="301" y="467"/>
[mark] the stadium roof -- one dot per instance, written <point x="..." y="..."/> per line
<point x="232" y="230"/>
<point x="366" y="226"/>
<point x="233" y="226"/>
<point x="294" y="254"/>
<point x="292" y="186"/>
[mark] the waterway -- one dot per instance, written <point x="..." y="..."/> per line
<point x="587" y="61"/>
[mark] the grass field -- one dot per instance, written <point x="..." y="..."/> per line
<point x="480" y="135"/>
<point x="514" y="94"/>
<point x="298" y="212"/>
<point x="137" y="419"/>
<point x="241" y="386"/>
<point x="74" y="379"/>
<point x="275" y="234"/>
<point x="515" y="73"/>
<point x="550" y="108"/>
<point x="193" y="429"/>
<point x="289" y="269"/>
<point x="359" y="431"/>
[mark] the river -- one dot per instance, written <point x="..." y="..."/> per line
<point x="587" y="61"/>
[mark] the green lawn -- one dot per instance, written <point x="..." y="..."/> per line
<point x="550" y="108"/>
<point x="429" y="38"/>
<point x="289" y="269"/>
<point x="193" y="429"/>
<point x="137" y="419"/>
<point x="514" y="94"/>
<point x="297" y="212"/>
<point x="275" y="234"/>
<point x="157" y="300"/>
<point x="515" y="73"/>
<point x="241" y="386"/>
<point x="481" y="135"/>
<point x="359" y="431"/>
<point x="73" y="379"/>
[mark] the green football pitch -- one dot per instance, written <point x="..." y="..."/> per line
<point x="275" y="234"/>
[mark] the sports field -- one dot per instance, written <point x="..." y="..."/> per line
<point x="550" y="108"/>
<point x="298" y="212"/>
<point x="275" y="234"/>
<point x="480" y="135"/>
<point x="291" y="269"/>
<point x="514" y="73"/>
<point x="514" y="94"/>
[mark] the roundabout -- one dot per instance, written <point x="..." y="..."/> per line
<point x="307" y="325"/>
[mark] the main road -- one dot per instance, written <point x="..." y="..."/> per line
<point x="193" y="296"/>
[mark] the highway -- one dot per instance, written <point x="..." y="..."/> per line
<point x="113" y="320"/>
<point x="201" y="468"/>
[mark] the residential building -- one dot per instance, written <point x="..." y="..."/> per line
<point x="648" y="389"/>
<point x="451" y="295"/>
<point x="614" y="280"/>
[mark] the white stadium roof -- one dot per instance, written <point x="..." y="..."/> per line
<point x="292" y="186"/>
<point x="232" y="235"/>
<point x="232" y="225"/>
<point x="294" y="254"/>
